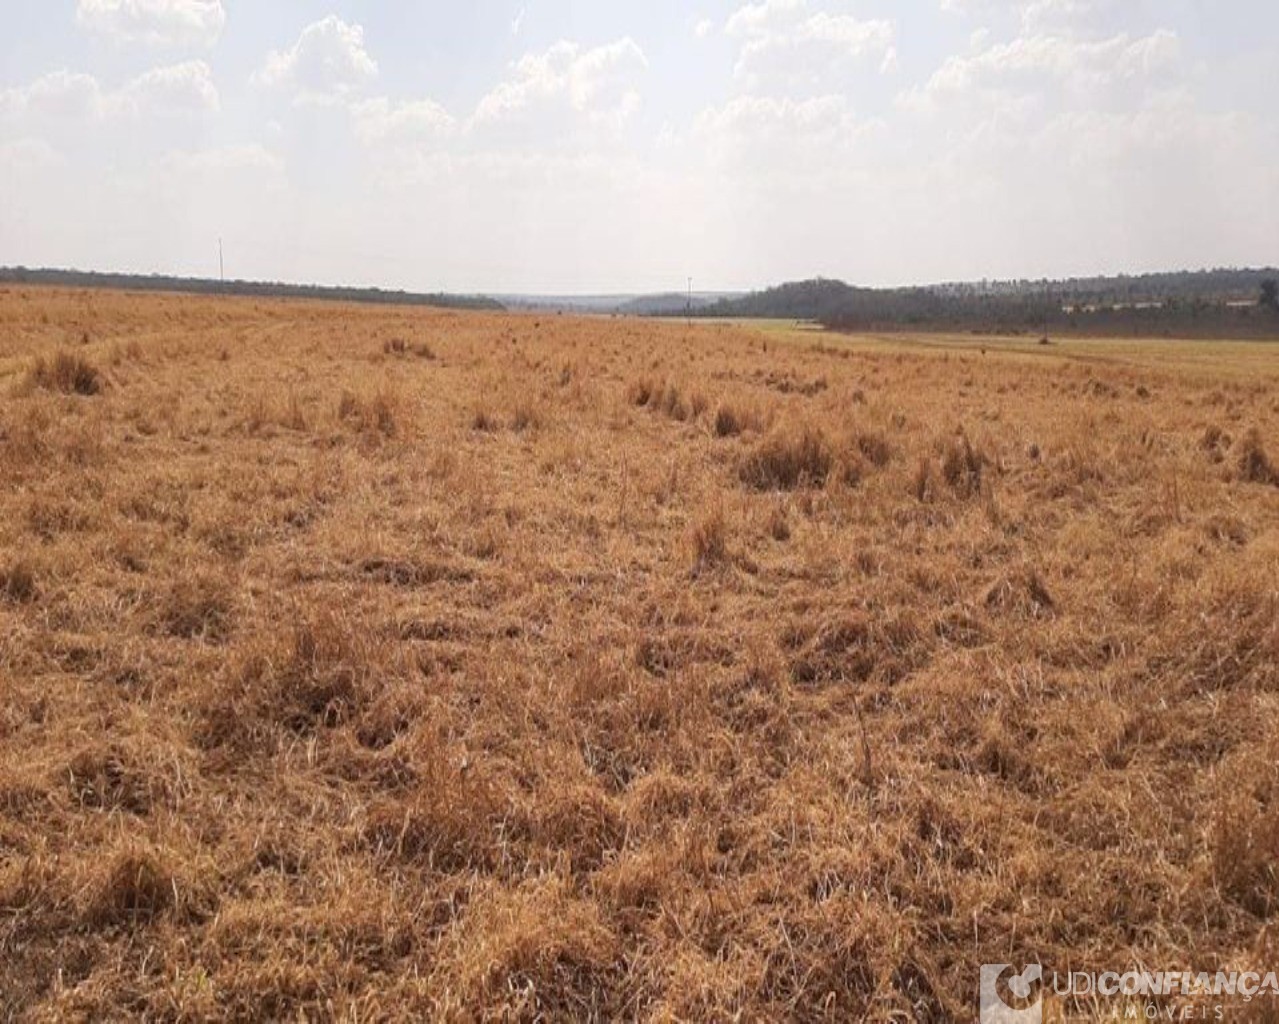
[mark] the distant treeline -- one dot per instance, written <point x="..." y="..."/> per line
<point x="256" y="289"/>
<point x="1227" y="303"/>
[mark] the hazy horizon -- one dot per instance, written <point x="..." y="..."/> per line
<point x="601" y="296"/>
<point x="557" y="148"/>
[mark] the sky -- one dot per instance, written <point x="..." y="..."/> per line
<point x="573" y="147"/>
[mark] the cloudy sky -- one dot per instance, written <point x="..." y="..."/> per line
<point x="574" y="146"/>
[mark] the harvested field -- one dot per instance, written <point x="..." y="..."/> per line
<point x="363" y="663"/>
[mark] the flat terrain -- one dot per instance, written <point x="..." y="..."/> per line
<point x="370" y="664"/>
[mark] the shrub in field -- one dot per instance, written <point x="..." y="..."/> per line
<point x="923" y="483"/>
<point x="67" y="373"/>
<point x="1215" y="443"/>
<point x="709" y="539"/>
<point x="294" y="416"/>
<point x="136" y="886"/>
<point x="666" y="397"/>
<point x="18" y="583"/>
<point x="962" y="466"/>
<point x="728" y="421"/>
<point x="1255" y="466"/>
<point x="444" y="825"/>
<point x="672" y="403"/>
<point x="322" y="674"/>
<point x="1243" y="840"/>
<point x="641" y="392"/>
<point x="196" y="607"/>
<point x="380" y="412"/>
<point x="874" y="448"/>
<point x="732" y="419"/>
<point x="789" y="460"/>
<point x="779" y="523"/>
<point x="1022" y="593"/>
<point x="525" y="416"/>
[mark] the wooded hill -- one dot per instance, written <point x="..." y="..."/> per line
<point x="261" y="289"/>
<point x="1206" y="303"/>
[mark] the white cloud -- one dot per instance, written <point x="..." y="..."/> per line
<point x="751" y="116"/>
<point x="1033" y="15"/>
<point x="328" y="59"/>
<point x="382" y="120"/>
<point x="780" y="141"/>
<point x="252" y="159"/>
<point x="57" y="96"/>
<point x="63" y="97"/>
<point x="30" y="168"/>
<point x="1059" y="15"/>
<point x="760" y="18"/>
<point x="783" y="43"/>
<point x="1032" y="63"/>
<point x="27" y="156"/>
<point x="598" y="82"/>
<point x="154" y="22"/>
<point x="703" y="28"/>
<point x="180" y="89"/>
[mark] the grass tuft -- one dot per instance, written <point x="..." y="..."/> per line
<point x="779" y="523"/>
<point x="67" y="373"/>
<point x="136" y="887"/>
<point x="18" y="583"/>
<point x="641" y="392"/>
<point x="197" y="607"/>
<point x="733" y="419"/>
<point x="788" y="460"/>
<point x="526" y="416"/>
<point x="728" y="422"/>
<point x="1244" y="836"/>
<point x="709" y="540"/>
<point x="380" y="412"/>
<point x="923" y="482"/>
<point x="1255" y="466"/>
<point x="962" y="466"/>
<point x="874" y="448"/>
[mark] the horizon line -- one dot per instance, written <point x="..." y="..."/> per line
<point x="8" y="272"/>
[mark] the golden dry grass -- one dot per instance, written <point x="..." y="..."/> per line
<point x="378" y="664"/>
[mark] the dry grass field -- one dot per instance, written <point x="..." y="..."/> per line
<point x="371" y="664"/>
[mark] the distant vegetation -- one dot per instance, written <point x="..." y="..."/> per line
<point x="1206" y="303"/>
<point x="1211" y="303"/>
<point x="262" y="289"/>
<point x="669" y="303"/>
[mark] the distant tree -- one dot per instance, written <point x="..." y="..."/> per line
<point x="1270" y="293"/>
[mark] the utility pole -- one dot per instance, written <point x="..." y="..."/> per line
<point x="1048" y="297"/>
<point x="221" y="265"/>
<point x="688" y="309"/>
